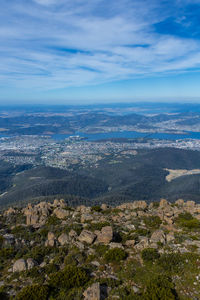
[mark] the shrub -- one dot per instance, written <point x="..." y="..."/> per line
<point x="76" y="227"/>
<point x="141" y="232"/>
<point x="33" y="292"/>
<point x="171" y="262"/>
<point x="186" y="220"/>
<point x="192" y="224"/>
<point x="115" y="255"/>
<point x="3" y="294"/>
<point x="152" y="222"/>
<point x="1" y="240"/>
<point x="123" y="237"/>
<point x="70" y="277"/>
<point x="96" y="208"/>
<point x="43" y="232"/>
<point x="150" y="254"/>
<point x="97" y="226"/>
<point x="50" y="268"/>
<point x="184" y="217"/>
<point x="156" y="204"/>
<point x="53" y="220"/>
<point x="6" y="253"/>
<point x="101" y="249"/>
<point x="160" y="288"/>
<point x="38" y="253"/>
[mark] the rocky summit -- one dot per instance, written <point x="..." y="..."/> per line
<point x="132" y="251"/>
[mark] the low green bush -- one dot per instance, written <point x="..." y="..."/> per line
<point x="96" y="208"/>
<point x="33" y="292"/>
<point x="152" y="222"/>
<point x="156" y="204"/>
<point x="160" y="288"/>
<point x="71" y="276"/>
<point x="97" y="226"/>
<point x="171" y="263"/>
<point x="76" y="227"/>
<point x="38" y="253"/>
<point x="6" y="253"/>
<point x="115" y="255"/>
<point x="3" y="294"/>
<point x="53" y="220"/>
<point x="101" y="249"/>
<point x="187" y="221"/>
<point x="1" y="240"/>
<point x="150" y="254"/>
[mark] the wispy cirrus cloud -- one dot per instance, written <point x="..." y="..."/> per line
<point x="48" y="44"/>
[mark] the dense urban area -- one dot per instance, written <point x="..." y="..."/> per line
<point x="43" y="150"/>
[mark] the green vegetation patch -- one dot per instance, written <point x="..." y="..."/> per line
<point x="186" y="220"/>
<point x="115" y="255"/>
<point x="97" y="226"/>
<point x="33" y="292"/>
<point x="160" y="288"/>
<point x="71" y="276"/>
<point x="150" y="254"/>
<point x="152" y="222"/>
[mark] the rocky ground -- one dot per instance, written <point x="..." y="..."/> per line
<point x="132" y="251"/>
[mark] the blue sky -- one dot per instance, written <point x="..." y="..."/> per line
<point x="60" y="51"/>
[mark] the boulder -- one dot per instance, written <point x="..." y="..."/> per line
<point x="32" y="219"/>
<point x="158" y="236"/>
<point x="106" y="235"/>
<point x="115" y="245"/>
<point x="139" y="205"/>
<point x="10" y="211"/>
<point x="8" y="239"/>
<point x="61" y="213"/>
<point x="179" y="202"/>
<point x="86" y="217"/>
<point x="63" y="239"/>
<point x="143" y="243"/>
<point x="31" y="263"/>
<point x="87" y="237"/>
<point x="93" y="292"/>
<point x="20" y="265"/>
<point x="72" y="233"/>
<point x="79" y="245"/>
<point x="170" y="237"/>
<point x="51" y="236"/>
<point x="51" y="239"/>
<point x="104" y="207"/>
<point x="163" y="203"/>
<point x="130" y="243"/>
<point x="83" y="209"/>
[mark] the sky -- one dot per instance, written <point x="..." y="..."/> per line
<point x="88" y="51"/>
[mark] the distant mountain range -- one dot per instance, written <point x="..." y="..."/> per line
<point x="54" y="123"/>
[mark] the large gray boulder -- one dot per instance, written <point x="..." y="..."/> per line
<point x="158" y="236"/>
<point x="105" y="236"/>
<point x="87" y="237"/>
<point x="61" y="213"/>
<point x="51" y="239"/>
<point x="31" y="263"/>
<point x="93" y="292"/>
<point x="20" y="265"/>
<point x="63" y="239"/>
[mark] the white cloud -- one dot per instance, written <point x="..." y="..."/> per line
<point x="71" y="43"/>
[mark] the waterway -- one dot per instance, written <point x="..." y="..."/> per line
<point x="129" y="135"/>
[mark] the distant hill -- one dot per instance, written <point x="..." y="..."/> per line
<point x="47" y="181"/>
<point x="115" y="180"/>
